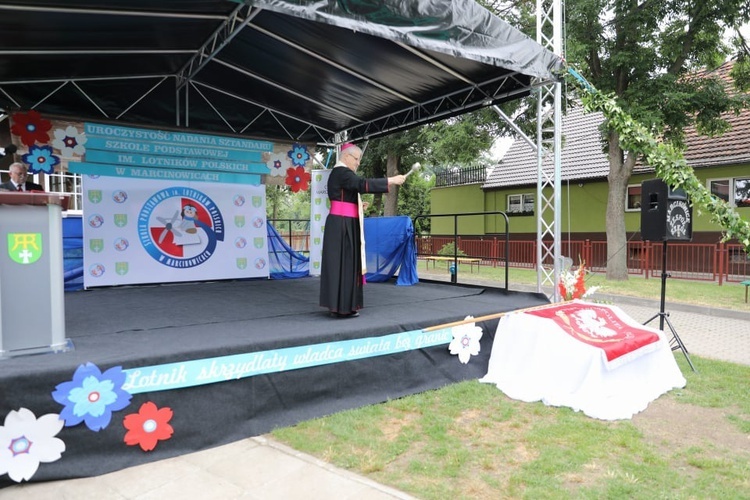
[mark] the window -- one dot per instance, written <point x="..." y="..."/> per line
<point x="742" y="192"/>
<point x="735" y="191"/>
<point x="528" y="203"/>
<point x="66" y="183"/>
<point x="521" y="204"/>
<point x="633" y="201"/>
<point x="719" y="188"/>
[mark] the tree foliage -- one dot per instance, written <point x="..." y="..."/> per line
<point x="643" y="53"/>
<point x="670" y="166"/>
<point x="463" y="140"/>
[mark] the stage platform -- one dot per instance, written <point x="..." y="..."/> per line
<point x="234" y="359"/>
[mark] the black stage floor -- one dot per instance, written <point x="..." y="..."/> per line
<point x="165" y="325"/>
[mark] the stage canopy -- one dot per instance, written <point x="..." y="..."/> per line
<point x="280" y="70"/>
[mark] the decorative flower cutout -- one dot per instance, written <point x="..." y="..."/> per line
<point x="31" y="127"/>
<point x="297" y="178"/>
<point x="69" y="141"/>
<point x="92" y="396"/>
<point x="26" y="441"/>
<point x="465" y="341"/>
<point x="149" y="426"/>
<point x="298" y="154"/>
<point x="40" y="159"/>
<point x="277" y="164"/>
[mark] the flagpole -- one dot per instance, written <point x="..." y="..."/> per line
<point x="485" y="317"/>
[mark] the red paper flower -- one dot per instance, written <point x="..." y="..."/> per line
<point x="149" y="426"/>
<point x="31" y="127"/>
<point x="297" y="178"/>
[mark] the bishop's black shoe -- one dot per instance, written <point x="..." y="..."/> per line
<point x="343" y="315"/>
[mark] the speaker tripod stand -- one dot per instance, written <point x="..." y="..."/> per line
<point x="676" y="342"/>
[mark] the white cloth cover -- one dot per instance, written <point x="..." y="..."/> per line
<point x="535" y="359"/>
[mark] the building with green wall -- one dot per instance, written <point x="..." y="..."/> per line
<point x="722" y="163"/>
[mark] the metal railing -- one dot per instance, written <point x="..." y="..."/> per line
<point x="296" y="233"/>
<point x="720" y="262"/>
<point x="491" y="255"/>
<point x="455" y="176"/>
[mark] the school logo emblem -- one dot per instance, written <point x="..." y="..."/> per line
<point x="180" y="227"/>
<point x="241" y="262"/>
<point x="316" y="241"/>
<point x="258" y="242"/>
<point x="95" y="195"/>
<point x="238" y="200"/>
<point x="96" y="245"/>
<point x="121" y="244"/>
<point x="97" y="270"/>
<point x="318" y="200"/>
<point x="121" y="268"/>
<point x="24" y="248"/>
<point x="316" y="265"/>
<point x="96" y="220"/>
<point x="120" y="196"/>
<point x="239" y="220"/>
<point x="121" y="220"/>
<point x="257" y="201"/>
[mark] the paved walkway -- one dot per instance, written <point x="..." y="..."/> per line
<point x="260" y="468"/>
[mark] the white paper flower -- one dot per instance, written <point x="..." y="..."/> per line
<point x="465" y="341"/>
<point x="278" y="164"/>
<point x="69" y="142"/>
<point x="26" y="441"/>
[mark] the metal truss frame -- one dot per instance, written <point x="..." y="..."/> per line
<point x="549" y="148"/>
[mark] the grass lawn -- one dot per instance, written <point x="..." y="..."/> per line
<point x="469" y="440"/>
<point x="703" y="293"/>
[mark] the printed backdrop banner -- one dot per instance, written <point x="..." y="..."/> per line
<point x="138" y="231"/>
<point x="318" y="213"/>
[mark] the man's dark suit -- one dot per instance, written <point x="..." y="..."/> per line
<point x="29" y="186"/>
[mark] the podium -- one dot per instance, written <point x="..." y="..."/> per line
<point x="32" y="288"/>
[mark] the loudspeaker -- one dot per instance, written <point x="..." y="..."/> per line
<point x="666" y="214"/>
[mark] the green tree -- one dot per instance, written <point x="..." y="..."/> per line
<point x="644" y="52"/>
<point x="414" y="198"/>
<point x="282" y="203"/>
<point x="464" y="140"/>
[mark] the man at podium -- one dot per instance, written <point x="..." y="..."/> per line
<point x="18" y="175"/>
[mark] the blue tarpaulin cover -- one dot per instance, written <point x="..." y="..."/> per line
<point x="390" y="249"/>
<point x="72" y="229"/>
<point x="285" y="262"/>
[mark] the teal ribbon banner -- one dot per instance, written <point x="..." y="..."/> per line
<point x="117" y="151"/>
<point x="162" y="173"/>
<point x="234" y="367"/>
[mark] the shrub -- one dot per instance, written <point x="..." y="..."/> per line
<point x="449" y="249"/>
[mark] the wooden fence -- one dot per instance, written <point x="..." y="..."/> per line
<point x="693" y="261"/>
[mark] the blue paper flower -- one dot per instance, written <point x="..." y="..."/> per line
<point x="40" y="159"/>
<point x="92" y="396"/>
<point x="298" y="154"/>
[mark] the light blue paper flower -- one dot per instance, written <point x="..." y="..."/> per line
<point x="298" y="155"/>
<point x="92" y="396"/>
<point x="40" y="159"/>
